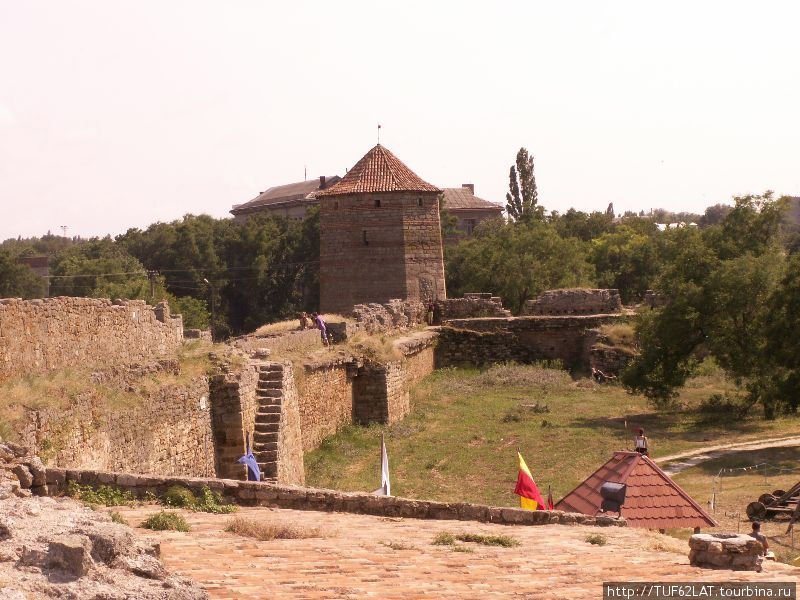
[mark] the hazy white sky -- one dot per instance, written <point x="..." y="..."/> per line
<point x="118" y="114"/>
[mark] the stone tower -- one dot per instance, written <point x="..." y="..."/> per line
<point x="380" y="236"/>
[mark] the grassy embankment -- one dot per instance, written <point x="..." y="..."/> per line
<point x="461" y="439"/>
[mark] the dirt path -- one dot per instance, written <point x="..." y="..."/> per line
<point x="684" y="460"/>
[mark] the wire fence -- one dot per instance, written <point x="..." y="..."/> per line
<point x="729" y="481"/>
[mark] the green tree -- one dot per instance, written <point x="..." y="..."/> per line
<point x="17" y="280"/>
<point x="626" y="260"/>
<point x="522" y="199"/>
<point x="517" y="262"/>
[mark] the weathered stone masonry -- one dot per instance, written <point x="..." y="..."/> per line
<point x="521" y="339"/>
<point x="51" y="333"/>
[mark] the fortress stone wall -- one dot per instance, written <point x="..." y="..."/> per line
<point x="480" y="342"/>
<point x="51" y="333"/>
<point x="578" y="301"/>
<point x="166" y="432"/>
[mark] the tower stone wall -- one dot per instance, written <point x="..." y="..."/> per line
<point x="378" y="246"/>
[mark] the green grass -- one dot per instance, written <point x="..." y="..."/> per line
<point x="506" y="541"/>
<point x="596" y="539"/>
<point x="104" y="495"/>
<point x="460" y="441"/>
<point x="444" y="538"/>
<point x="165" y="521"/>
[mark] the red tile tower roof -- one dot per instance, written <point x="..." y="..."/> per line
<point x="378" y="171"/>
<point x="652" y="501"/>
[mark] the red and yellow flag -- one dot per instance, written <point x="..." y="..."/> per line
<point x="529" y="496"/>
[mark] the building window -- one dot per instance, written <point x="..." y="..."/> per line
<point x="470" y="223"/>
<point x="336" y="205"/>
<point x="419" y="201"/>
<point x="377" y="203"/>
<point x="364" y="237"/>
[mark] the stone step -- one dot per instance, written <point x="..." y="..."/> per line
<point x="269" y="392"/>
<point x="269" y="385"/>
<point x="262" y="418"/>
<point x="261" y="437"/>
<point x="272" y="368"/>
<point x="268" y="446"/>
<point x="269" y="469"/>
<point x="266" y="455"/>
<point x="268" y="409"/>
<point x="267" y="427"/>
<point x="270" y="376"/>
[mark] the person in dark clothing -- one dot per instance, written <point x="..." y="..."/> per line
<point x="641" y="443"/>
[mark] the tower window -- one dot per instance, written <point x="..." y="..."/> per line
<point x="377" y="203"/>
<point x="364" y="237"/>
<point x="419" y="201"/>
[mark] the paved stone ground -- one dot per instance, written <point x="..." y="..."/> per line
<point x="356" y="559"/>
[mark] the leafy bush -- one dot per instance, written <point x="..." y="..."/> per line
<point x="105" y="495"/>
<point x="165" y="521"/>
<point x="178" y="496"/>
<point x="118" y="518"/>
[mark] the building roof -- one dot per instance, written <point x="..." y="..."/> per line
<point x="279" y="194"/>
<point x="653" y="500"/>
<point x="464" y="198"/>
<point x="378" y="171"/>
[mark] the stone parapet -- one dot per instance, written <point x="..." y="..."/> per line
<point x="472" y="305"/>
<point x="252" y="493"/>
<point x="735" y="551"/>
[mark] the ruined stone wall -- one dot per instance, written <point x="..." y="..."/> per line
<point x="290" y="437"/>
<point x="520" y="339"/>
<point x="382" y="392"/>
<point x="44" y="334"/>
<point x="234" y="405"/>
<point x="325" y="400"/>
<point x="470" y="306"/>
<point x="391" y="316"/>
<point x="577" y="301"/>
<point x="168" y="432"/>
<point x="375" y="247"/>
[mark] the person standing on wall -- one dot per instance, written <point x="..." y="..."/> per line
<point x="323" y="328"/>
<point x="641" y="443"/>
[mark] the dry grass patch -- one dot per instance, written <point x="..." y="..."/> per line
<point x="294" y="324"/>
<point x="268" y="530"/>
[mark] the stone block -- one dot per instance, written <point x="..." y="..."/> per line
<point x="55" y="475"/>
<point x="71" y="553"/>
<point x="37" y="470"/>
<point x="24" y="475"/>
<point x="106" y="478"/>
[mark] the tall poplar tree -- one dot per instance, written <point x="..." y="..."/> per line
<point x="522" y="199"/>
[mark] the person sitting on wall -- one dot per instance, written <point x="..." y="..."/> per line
<point x="641" y="443"/>
<point x="756" y="533"/>
<point x="303" y="320"/>
<point x="323" y="328"/>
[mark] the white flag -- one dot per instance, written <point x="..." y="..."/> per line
<point x="385" y="489"/>
<point x="385" y="469"/>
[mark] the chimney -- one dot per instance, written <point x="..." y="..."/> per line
<point x="470" y="187"/>
<point x="322" y="182"/>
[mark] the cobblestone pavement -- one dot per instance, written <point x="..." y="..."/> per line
<point x="378" y="557"/>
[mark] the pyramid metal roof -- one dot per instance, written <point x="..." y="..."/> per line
<point x="653" y="500"/>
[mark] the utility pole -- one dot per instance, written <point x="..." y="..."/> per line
<point x="213" y="307"/>
<point x="151" y="275"/>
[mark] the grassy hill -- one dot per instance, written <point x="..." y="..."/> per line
<point x="461" y="439"/>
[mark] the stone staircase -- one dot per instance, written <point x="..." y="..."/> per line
<point x="269" y="394"/>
